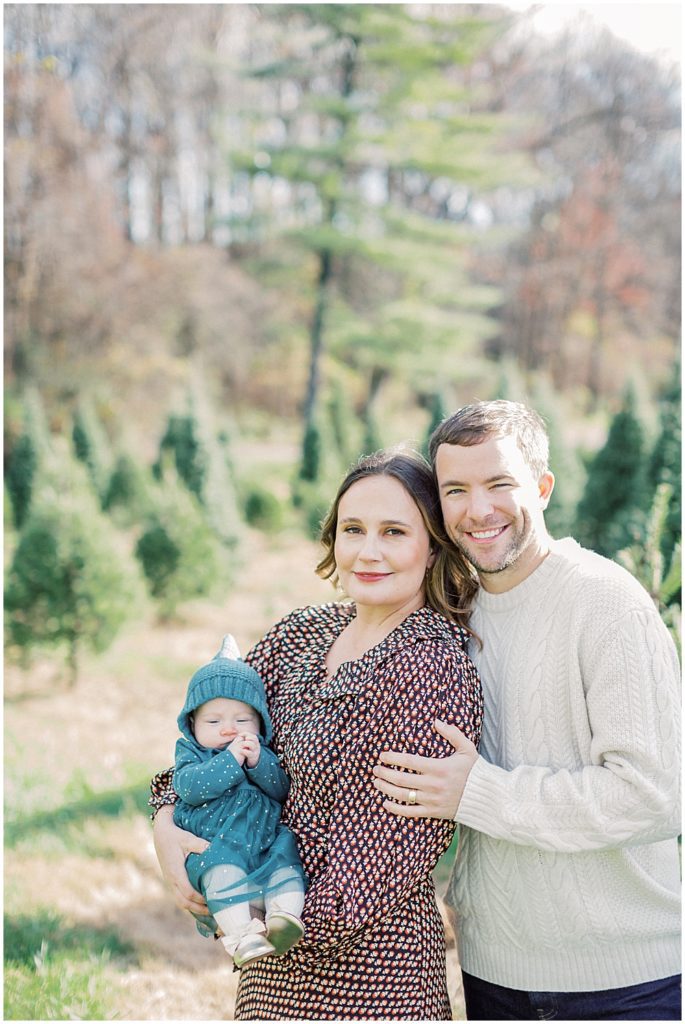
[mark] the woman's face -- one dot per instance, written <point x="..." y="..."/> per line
<point x="382" y="547"/>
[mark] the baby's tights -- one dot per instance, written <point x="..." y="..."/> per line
<point x="285" y="893"/>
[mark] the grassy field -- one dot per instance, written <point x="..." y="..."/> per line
<point x="90" y="930"/>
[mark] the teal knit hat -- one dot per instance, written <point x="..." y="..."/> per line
<point x="226" y="675"/>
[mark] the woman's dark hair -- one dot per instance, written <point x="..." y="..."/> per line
<point x="450" y="583"/>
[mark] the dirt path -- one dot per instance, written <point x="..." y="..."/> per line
<point x="119" y="724"/>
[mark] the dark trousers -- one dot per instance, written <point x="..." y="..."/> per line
<point x="653" y="1000"/>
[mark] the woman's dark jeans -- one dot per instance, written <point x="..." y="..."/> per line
<point x="653" y="1000"/>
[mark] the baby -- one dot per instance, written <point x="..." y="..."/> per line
<point x="230" y="787"/>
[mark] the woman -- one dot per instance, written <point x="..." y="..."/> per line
<point x="344" y="682"/>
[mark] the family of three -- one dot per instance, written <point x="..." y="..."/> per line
<point x="479" y="675"/>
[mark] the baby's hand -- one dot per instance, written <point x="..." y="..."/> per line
<point x="252" y="749"/>
<point x="237" y="748"/>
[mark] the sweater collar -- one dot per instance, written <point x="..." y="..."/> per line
<point x="559" y="552"/>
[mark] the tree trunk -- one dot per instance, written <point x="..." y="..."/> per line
<point x="325" y="271"/>
<point x="72" y="661"/>
<point x="316" y="337"/>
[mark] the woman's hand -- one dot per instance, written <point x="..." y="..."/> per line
<point x="172" y="846"/>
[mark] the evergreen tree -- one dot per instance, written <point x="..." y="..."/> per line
<point x="20" y="471"/>
<point x="661" y="577"/>
<point x="263" y="510"/>
<point x="341" y="417"/>
<point x="128" y="495"/>
<point x="610" y="514"/>
<point x="379" y="144"/>
<point x="311" y="454"/>
<point x="177" y="550"/>
<point x="665" y="464"/>
<point x="219" y="495"/>
<point x="71" y="583"/>
<point x="202" y="462"/>
<point x="564" y="462"/>
<point x="24" y="458"/>
<point x="181" y="440"/>
<point x="91" y="447"/>
<point x="436" y="408"/>
<point x="371" y="440"/>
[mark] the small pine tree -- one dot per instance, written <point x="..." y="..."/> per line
<point x="24" y="458"/>
<point x="219" y="496"/>
<point x="70" y="583"/>
<point x="181" y="439"/>
<point x="371" y="441"/>
<point x="436" y="407"/>
<point x="661" y="578"/>
<point x="263" y="509"/>
<point x="91" y="447"/>
<point x="310" y="467"/>
<point x="610" y="514"/>
<point x="665" y="463"/>
<point x="177" y="550"/>
<point x="127" y="498"/>
<point x="564" y="462"/>
<point x="340" y="415"/>
<point x="20" y="471"/>
<point x="202" y="462"/>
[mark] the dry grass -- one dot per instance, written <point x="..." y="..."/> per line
<point x="112" y="730"/>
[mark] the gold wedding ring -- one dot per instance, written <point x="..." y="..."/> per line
<point x="412" y="796"/>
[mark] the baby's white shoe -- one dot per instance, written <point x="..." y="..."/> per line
<point x="251" y="948"/>
<point x="283" y="931"/>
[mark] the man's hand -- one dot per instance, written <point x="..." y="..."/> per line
<point x="435" y="790"/>
<point x="172" y="845"/>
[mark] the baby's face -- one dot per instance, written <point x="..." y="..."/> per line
<point x="219" y="721"/>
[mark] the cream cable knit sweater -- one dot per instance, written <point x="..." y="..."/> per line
<point x="567" y="875"/>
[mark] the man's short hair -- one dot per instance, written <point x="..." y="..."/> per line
<point x="474" y="423"/>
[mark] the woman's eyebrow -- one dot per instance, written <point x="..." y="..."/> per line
<point x="384" y="522"/>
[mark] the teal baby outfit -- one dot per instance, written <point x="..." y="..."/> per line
<point x="235" y="807"/>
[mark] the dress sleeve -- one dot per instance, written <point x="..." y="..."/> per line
<point x="375" y="858"/>
<point x="162" y="791"/>
<point x="197" y="779"/>
<point x="269" y="775"/>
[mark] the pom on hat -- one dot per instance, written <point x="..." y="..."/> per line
<point x="226" y="675"/>
<point x="229" y="648"/>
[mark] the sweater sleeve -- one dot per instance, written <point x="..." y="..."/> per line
<point x="269" y="775"/>
<point x="629" y="793"/>
<point x="375" y="858"/>
<point x="197" y="780"/>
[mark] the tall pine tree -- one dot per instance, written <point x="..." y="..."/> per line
<point x="374" y="138"/>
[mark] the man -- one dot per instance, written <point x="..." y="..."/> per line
<point x="566" y="882"/>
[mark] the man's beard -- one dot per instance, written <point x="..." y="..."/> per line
<point x="515" y="548"/>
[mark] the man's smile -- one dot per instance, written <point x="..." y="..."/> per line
<point x="486" y="534"/>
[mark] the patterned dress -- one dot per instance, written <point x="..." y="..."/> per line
<point x="374" y="943"/>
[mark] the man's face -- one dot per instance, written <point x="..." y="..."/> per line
<point x="493" y="509"/>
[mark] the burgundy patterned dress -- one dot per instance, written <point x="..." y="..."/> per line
<point x="374" y="945"/>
